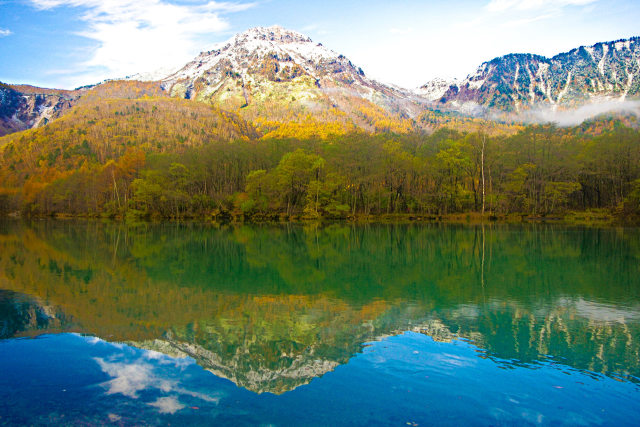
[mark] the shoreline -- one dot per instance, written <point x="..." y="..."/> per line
<point x="582" y="218"/>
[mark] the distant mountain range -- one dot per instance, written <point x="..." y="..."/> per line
<point x="604" y="71"/>
<point x="270" y="74"/>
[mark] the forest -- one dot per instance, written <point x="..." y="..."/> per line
<point x="174" y="159"/>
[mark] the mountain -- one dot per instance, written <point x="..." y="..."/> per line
<point x="435" y="89"/>
<point x="98" y="130"/>
<point x="280" y="80"/>
<point x="24" y="107"/>
<point x="515" y="82"/>
<point x="286" y="85"/>
<point x="275" y="74"/>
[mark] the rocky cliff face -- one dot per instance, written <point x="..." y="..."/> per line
<point x="25" y="107"/>
<point x="604" y="71"/>
<point x="435" y="89"/>
<point x="267" y="71"/>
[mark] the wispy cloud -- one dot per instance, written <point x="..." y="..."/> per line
<point x="143" y="35"/>
<point x="5" y="32"/>
<point x="524" y="21"/>
<point x="506" y="5"/>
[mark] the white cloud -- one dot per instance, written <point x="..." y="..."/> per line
<point x="506" y="5"/>
<point x="143" y="35"/>
<point x="128" y="378"/>
<point x="167" y="405"/>
<point x="149" y="372"/>
<point x="4" y="32"/>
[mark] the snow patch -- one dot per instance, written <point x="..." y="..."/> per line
<point x="242" y="48"/>
<point x="620" y="45"/>
<point x="563" y="92"/>
<point x="477" y="84"/>
<point x="435" y="89"/>
<point x="605" y="50"/>
<point x="155" y="75"/>
<point x="626" y="90"/>
<point x="542" y="69"/>
<point x="590" y="50"/>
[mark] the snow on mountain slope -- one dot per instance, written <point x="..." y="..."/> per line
<point x="267" y="50"/>
<point x="435" y="89"/>
<point x="602" y="72"/>
<point x="23" y="107"/>
<point x="271" y="71"/>
<point x="288" y="47"/>
<point x="155" y="75"/>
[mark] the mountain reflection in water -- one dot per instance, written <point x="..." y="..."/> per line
<point x="273" y="307"/>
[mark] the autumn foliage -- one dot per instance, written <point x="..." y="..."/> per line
<point x="170" y="158"/>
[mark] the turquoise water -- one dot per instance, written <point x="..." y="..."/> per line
<point x="318" y="325"/>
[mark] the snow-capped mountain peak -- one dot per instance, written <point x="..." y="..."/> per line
<point x="274" y="33"/>
<point x="279" y="67"/>
<point x="241" y="51"/>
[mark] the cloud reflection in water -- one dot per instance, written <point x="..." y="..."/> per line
<point x="133" y="375"/>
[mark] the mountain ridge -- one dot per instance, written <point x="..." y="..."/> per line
<point x="520" y="81"/>
<point x="277" y="79"/>
<point x="272" y="73"/>
<point x="24" y="106"/>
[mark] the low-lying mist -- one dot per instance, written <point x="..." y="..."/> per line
<point x="576" y="116"/>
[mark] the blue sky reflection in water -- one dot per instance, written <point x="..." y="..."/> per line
<point x="409" y="378"/>
<point x="325" y="325"/>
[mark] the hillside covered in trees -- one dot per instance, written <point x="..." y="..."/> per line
<point x="158" y="157"/>
<point x="273" y="126"/>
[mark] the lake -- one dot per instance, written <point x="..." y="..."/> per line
<point x="146" y="324"/>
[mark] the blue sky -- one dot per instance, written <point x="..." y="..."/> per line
<point x="69" y="43"/>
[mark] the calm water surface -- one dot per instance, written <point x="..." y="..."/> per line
<point x="104" y="323"/>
